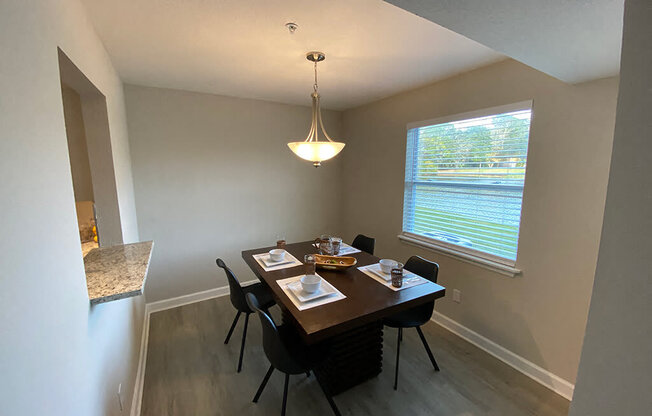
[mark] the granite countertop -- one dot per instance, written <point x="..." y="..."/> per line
<point x="88" y="246"/>
<point x="117" y="272"/>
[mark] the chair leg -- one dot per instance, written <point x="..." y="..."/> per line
<point x="425" y="344"/>
<point x="398" y="353"/>
<point x="244" y="337"/>
<point x="264" y="383"/>
<point x="285" y="393"/>
<point x="329" y="397"/>
<point x="235" y="321"/>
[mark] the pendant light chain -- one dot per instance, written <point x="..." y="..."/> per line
<point x="315" y="87"/>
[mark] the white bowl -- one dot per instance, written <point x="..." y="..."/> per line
<point x="310" y="283"/>
<point x="277" y="254"/>
<point x="386" y="265"/>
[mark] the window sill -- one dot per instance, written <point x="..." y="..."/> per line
<point x="494" y="266"/>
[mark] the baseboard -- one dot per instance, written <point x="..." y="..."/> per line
<point x="164" y="304"/>
<point x="538" y="374"/>
<point x="161" y="306"/>
<point x="140" y="373"/>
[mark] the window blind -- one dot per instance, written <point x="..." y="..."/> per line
<point x="464" y="182"/>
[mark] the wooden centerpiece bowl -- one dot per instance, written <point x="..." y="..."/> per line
<point x="334" y="262"/>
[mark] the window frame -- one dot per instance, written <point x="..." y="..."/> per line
<point x="490" y="261"/>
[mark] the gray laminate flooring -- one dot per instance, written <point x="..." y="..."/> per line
<point x="190" y="371"/>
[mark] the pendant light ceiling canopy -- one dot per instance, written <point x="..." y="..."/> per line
<point x="313" y="149"/>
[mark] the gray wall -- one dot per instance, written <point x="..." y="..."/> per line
<point x="615" y="375"/>
<point x="58" y="356"/>
<point x="541" y="314"/>
<point x="213" y="176"/>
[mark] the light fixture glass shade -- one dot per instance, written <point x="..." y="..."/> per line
<point x="316" y="151"/>
<point x="312" y="148"/>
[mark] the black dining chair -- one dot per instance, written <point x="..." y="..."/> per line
<point x="239" y="302"/>
<point x="364" y="243"/>
<point x="417" y="316"/>
<point x="287" y="353"/>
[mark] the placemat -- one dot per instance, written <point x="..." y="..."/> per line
<point x="346" y="250"/>
<point x="409" y="279"/>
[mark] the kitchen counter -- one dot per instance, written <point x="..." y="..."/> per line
<point x="117" y="272"/>
<point x="88" y="246"/>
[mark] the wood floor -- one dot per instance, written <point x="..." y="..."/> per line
<point x="190" y="371"/>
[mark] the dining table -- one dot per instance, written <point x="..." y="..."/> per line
<point x="351" y="327"/>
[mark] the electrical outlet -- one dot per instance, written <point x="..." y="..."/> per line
<point x="457" y="296"/>
<point x="120" y="396"/>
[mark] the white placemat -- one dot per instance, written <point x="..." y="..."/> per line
<point x="409" y="279"/>
<point x="346" y="249"/>
<point x="283" y="283"/>
<point x="293" y="262"/>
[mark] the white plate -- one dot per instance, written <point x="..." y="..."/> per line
<point x="375" y="269"/>
<point x="270" y="263"/>
<point x="303" y="296"/>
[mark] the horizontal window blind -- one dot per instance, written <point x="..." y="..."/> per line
<point x="464" y="182"/>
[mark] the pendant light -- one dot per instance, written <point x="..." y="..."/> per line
<point x="313" y="149"/>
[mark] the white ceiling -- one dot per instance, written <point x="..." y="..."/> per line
<point x="242" y="48"/>
<point x="573" y="40"/>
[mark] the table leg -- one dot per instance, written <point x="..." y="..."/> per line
<point x="354" y="357"/>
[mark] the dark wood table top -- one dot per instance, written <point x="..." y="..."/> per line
<point x="366" y="299"/>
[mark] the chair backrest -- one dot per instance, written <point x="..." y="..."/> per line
<point x="275" y="350"/>
<point x="429" y="270"/>
<point x="236" y="293"/>
<point x="422" y="267"/>
<point x="364" y="243"/>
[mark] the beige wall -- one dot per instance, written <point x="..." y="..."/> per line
<point x="214" y="176"/>
<point x="615" y="371"/>
<point x="540" y="314"/>
<point x="77" y="148"/>
<point x="110" y="227"/>
<point x="58" y="356"/>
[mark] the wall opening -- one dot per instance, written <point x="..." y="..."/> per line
<point x="91" y="159"/>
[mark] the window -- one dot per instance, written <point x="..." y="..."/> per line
<point x="464" y="179"/>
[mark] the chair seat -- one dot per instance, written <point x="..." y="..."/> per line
<point x="261" y="292"/>
<point x="410" y="318"/>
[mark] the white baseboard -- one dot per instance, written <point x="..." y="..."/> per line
<point x="140" y="373"/>
<point x="164" y="304"/>
<point x="161" y="306"/>
<point x="538" y="374"/>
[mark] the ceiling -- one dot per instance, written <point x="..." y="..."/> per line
<point x="242" y="48"/>
<point x="575" y="41"/>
